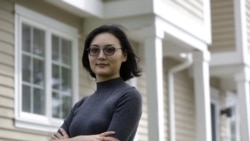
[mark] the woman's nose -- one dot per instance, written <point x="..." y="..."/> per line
<point x="101" y="54"/>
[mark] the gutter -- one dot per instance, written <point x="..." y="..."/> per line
<point x="171" y="101"/>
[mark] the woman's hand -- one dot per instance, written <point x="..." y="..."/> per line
<point x="59" y="136"/>
<point x="105" y="136"/>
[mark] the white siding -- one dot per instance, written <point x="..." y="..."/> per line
<point x="223" y="30"/>
<point x="192" y="8"/>
<point x="184" y="103"/>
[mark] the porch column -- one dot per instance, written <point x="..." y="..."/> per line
<point x="154" y="82"/>
<point x="202" y="96"/>
<point x="242" y="80"/>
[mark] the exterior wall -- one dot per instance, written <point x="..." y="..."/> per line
<point x="223" y="27"/>
<point x="194" y="9"/>
<point x="184" y="103"/>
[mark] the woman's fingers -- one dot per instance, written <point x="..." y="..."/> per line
<point x="109" y="139"/>
<point x="64" y="133"/>
<point x="58" y="135"/>
<point x="61" y="134"/>
<point x="107" y="133"/>
<point x="53" y="137"/>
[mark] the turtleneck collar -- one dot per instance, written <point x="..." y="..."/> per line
<point x="112" y="83"/>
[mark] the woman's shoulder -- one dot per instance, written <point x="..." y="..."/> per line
<point x="131" y="93"/>
<point x="81" y="101"/>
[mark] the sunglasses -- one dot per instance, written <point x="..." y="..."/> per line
<point x="108" y="50"/>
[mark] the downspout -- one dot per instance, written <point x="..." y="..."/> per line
<point x="171" y="100"/>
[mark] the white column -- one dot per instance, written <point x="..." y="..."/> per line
<point x="243" y="92"/>
<point x="154" y="76"/>
<point x="202" y="96"/>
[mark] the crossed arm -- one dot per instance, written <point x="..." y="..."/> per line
<point x="105" y="136"/>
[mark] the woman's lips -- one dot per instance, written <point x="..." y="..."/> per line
<point x="101" y="65"/>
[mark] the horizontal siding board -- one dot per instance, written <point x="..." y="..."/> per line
<point x="6" y="59"/>
<point x="7" y="5"/>
<point x="225" y="10"/>
<point x="224" y="44"/>
<point x="6" y="81"/>
<point x="6" y="102"/>
<point x="6" y="26"/>
<point x="6" y="48"/>
<point x="6" y="112"/>
<point x="224" y="38"/>
<point x="222" y="18"/>
<point x="6" y="70"/>
<point x="224" y="24"/>
<point x="221" y="3"/>
<point x="6" y="15"/>
<point x="223" y="31"/>
<point x="7" y="91"/>
<point x="6" y="37"/>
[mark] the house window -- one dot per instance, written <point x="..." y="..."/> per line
<point x="46" y="70"/>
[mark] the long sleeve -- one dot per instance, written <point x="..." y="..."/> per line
<point x="68" y="120"/>
<point x="126" y="116"/>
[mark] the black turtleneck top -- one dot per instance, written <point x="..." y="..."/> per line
<point x="114" y="106"/>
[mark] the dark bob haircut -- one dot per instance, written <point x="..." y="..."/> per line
<point x="130" y="68"/>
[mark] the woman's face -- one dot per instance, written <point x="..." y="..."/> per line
<point x="106" y="56"/>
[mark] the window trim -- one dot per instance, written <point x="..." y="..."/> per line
<point x="31" y="121"/>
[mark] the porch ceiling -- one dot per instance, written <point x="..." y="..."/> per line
<point x="226" y="75"/>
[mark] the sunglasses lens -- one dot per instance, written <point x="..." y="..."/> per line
<point x="94" y="51"/>
<point x="109" y="51"/>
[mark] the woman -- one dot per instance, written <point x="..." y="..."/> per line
<point x="113" y="111"/>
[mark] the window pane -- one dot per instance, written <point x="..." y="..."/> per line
<point x="55" y="48"/>
<point x="26" y="37"/>
<point x="56" y="103"/>
<point x="26" y="68"/>
<point x="39" y="42"/>
<point x="56" y="81"/>
<point x="39" y="101"/>
<point x="66" y="80"/>
<point x="38" y="75"/>
<point x="66" y="52"/>
<point x="26" y="99"/>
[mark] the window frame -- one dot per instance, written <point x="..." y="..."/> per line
<point x="51" y="27"/>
